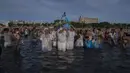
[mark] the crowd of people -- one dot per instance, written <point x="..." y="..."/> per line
<point x="62" y="38"/>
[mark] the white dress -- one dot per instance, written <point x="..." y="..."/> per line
<point x="7" y="38"/>
<point x="70" y="40"/>
<point x="46" y="42"/>
<point x="79" y="42"/>
<point x="62" y="41"/>
<point x="53" y="38"/>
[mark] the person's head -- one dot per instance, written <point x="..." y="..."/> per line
<point x="81" y="31"/>
<point x="86" y="37"/>
<point x="6" y="30"/>
<point x="94" y="29"/>
<point x="99" y="29"/>
<point x="46" y="31"/>
<point x="61" y="31"/>
<point x="64" y="29"/>
<point x="113" y="30"/>
<point x="71" y="29"/>
<point x="121" y="29"/>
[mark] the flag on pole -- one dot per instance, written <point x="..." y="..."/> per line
<point x="64" y="15"/>
<point x="66" y="19"/>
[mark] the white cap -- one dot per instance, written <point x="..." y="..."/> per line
<point x="51" y="27"/>
<point x="45" y="28"/>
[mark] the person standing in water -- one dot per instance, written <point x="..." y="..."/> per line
<point x="7" y="37"/>
<point x="79" y="39"/>
<point x="99" y="38"/>
<point x="62" y="38"/>
<point x="70" y="39"/>
<point x="46" y="40"/>
<point x="112" y="35"/>
<point x="26" y="33"/>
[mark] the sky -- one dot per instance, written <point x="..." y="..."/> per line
<point x="116" y="11"/>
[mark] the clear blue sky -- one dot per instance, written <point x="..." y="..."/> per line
<point x="49" y="10"/>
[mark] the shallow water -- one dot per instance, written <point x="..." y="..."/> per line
<point x="33" y="60"/>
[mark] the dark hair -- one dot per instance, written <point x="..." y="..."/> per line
<point x="86" y="37"/>
<point x="6" y="29"/>
<point x="121" y="28"/>
<point x="93" y="29"/>
<point x="99" y="29"/>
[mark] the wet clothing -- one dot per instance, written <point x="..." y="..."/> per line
<point x="113" y="38"/>
<point x="70" y="40"/>
<point x="88" y="44"/>
<point x="62" y="38"/>
<point x="34" y="34"/>
<point x="79" y="41"/>
<point x="7" y="38"/>
<point x="26" y="33"/>
<point x="53" y="35"/>
<point x="46" y="42"/>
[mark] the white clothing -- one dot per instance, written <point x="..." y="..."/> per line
<point x="62" y="46"/>
<point x="70" y="45"/>
<point x="79" y="42"/>
<point x="54" y="43"/>
<point x="26" y="32"/>
<point x="62" y="41"/>
<point x="113" y="37"/>
<point x="70" y="40"/>
<point x="7" y="38"/>
<point x="53" y="38"/>
<point x="7" y="44"/>
<point x="62" y="36"/>
<point x="46" y="42"/>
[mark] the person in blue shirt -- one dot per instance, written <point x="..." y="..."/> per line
<point x="88" y="42"/>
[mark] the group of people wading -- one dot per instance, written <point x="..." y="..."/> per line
<point x="63" y="39"/>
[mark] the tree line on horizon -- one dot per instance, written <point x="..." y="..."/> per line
<point x="75" y="24"/>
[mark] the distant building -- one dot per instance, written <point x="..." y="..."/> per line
<point x="88" y="20"/>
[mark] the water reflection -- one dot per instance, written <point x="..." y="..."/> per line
<point x="30" y="63"/>
<point x="33" y="60"/>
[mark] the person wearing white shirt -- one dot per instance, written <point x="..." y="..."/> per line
<point x="46" y="41"/>
<point x="7" y="38"/>
<point x="113" y="37"/>
<point x="70" y="39"/>
<point x="79" y="39"/>
<point x="62" y="37"/>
